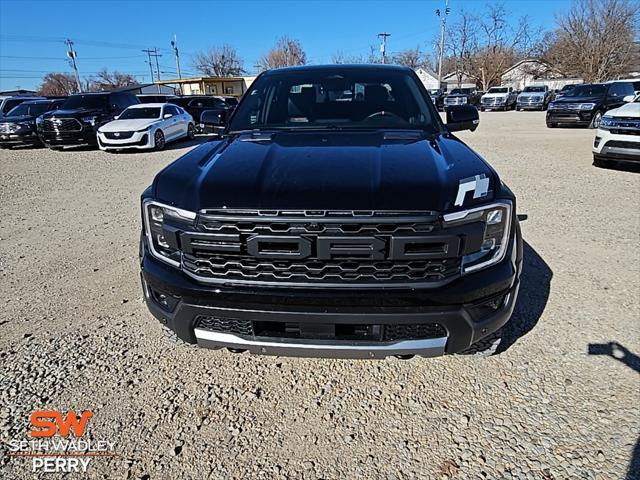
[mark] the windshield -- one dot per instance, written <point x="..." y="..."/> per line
<point x="86" y="102"/>
<point x="589" y="91"/>
<point x="136" y="113"/>
<point x="567" y="88"/>
<point x="334" y="98"/>
<point x="498" y="90"/>
<point x="33" y="109"/>
<point x="459" y="91"/>
<point x="533" y="89"/>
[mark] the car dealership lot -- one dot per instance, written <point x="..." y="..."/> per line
<point x="75" y="335"/>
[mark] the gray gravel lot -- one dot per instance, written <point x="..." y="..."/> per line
<point x="74" y="334"/>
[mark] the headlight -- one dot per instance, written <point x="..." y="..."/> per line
<point x="501" y="99"/>
<point x="607" y="122"/>
<point x="26" y="124"/>
<point x="464" y="100"/>
<point x="162" y="224"/>
<point x="587" y="106"/>
<point x="146" y="129"/>
<point x="39" y="120"/>
<point x="551" y="106"/>
<point x="496" y="218"/>
<point x="90" y="119"/>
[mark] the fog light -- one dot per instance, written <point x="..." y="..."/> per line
<point x="162" y="242"/>
<point x="488" y="244"/>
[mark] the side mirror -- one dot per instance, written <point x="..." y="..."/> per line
<point x="628" y="98"/>
<point x="167" y="115"/>
<point x="116" y="117"/>
<point x="462" y="117"/>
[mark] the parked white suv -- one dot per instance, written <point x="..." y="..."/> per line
<point x="498" y="98"/>
<point x="618" y="136"/>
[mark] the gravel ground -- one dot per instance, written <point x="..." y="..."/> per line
<point x="74" y="334"/>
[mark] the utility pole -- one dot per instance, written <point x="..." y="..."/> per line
<point x="154" y="53"/>
<point x="73" y="55"/>
<point x="443" y="27"/>
<point x="383" y="45"/>
<point x="174" y="44"/>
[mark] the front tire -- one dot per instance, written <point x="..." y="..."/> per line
<point x="191" y="131"/>
<point x="597" y="118"/>
<point x="158" y="140"/>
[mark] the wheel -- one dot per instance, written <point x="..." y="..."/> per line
<point x="158" y="140"/>
<point x="597" y="118"/>
<point x="482" y="109"/>
<point x="601" y="162"/>
<point x="486" y="346"/>
<point x="191" y="131"/>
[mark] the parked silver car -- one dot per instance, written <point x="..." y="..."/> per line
<point x="534" y="97"/>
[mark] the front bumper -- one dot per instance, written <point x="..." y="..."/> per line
<point x="139" y="140"/>
<point x="86" y="136"/>
<point x="455" y="307"/>
<point x="19" y="138"/>
<point x="530" y="105"/>
<point x="611" y="146"/>
<point x="567" y="117"/>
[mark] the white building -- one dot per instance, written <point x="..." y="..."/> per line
<point x="458" y="80"/>
<point x="532" y="71"/>
<point x="428" y="78"/>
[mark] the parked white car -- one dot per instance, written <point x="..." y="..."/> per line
<point x="498" y="98"/>
<point x="618" y="135"/>
<point x="146" y="126"/>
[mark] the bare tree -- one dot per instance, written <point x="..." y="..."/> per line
<point x="221" y="61"/>
<point x="58" y="84"/>
<point x="594" y="40"/>
<point x="483" y="46"/>
<point x="106" y="80"/>
<point x="341" y="58"/>
<point x="286" y="52"/>
<point x="412" y="57"/>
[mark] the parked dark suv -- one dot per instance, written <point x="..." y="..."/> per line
<point x="79" y="118"/>
<point x="463" y="96"/>
<point x="196" y="104"/>
<point x="337" y="216"/>
<point x="18" y="127"/>
<point x="585" y="105"/>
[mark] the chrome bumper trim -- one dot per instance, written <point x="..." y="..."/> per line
<point x="432" y="347"/>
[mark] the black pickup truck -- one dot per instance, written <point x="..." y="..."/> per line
<point x="326" y="224"/>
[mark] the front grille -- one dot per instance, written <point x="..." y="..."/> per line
<point x="413" y="331"/>
<point x="622" y="144"/>
<point x="529" y="100"/>
<point x="324" y="247"/>
<point x="118" y="135"/>
<point x="455" y="100"/>
<point x="224" y="325"/>
<point x="317" y="331"/>
<point x="493" y="101"/>
<point x="61" y="125"/>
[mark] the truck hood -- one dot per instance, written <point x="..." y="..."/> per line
<point x="75" y="113"/>
<point x="531" y="94"/>
<point x="569" y="99"/>
<point x="627" y="110"/>
<point x="128" y="125"/>
<point x="495" y="95"/>
<point x="309" y="170"/>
